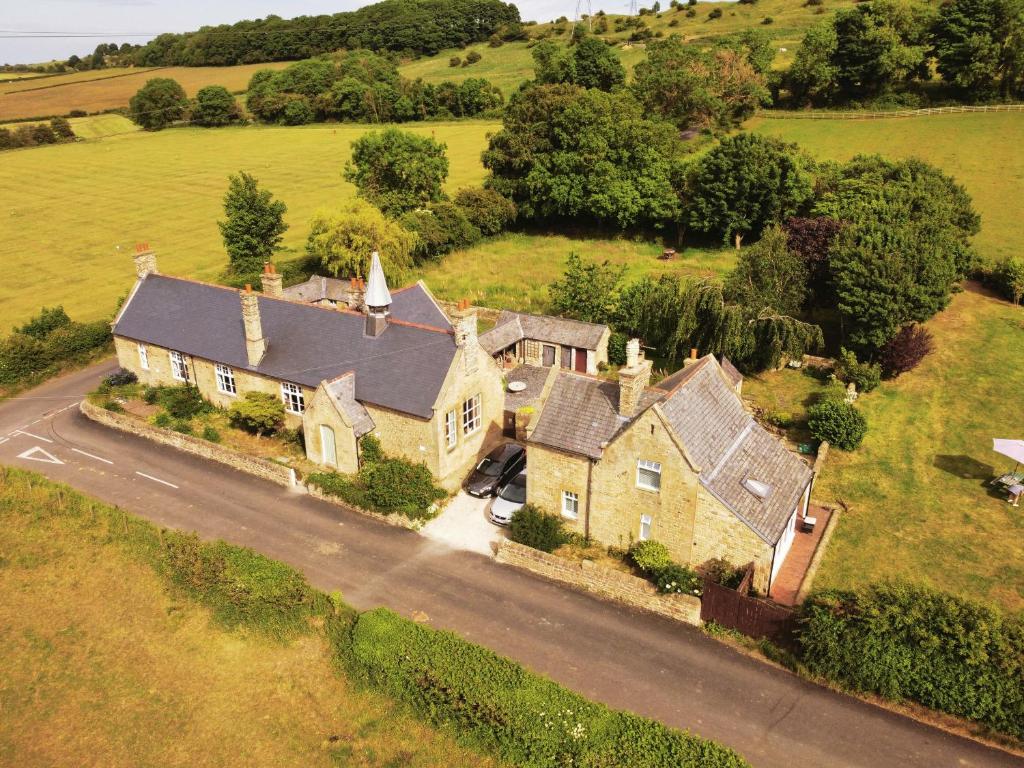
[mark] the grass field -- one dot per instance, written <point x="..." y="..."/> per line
<point x="100" y="666"/>
<point x="93" y="126"/>
<point x="70" y="232"/>
<point x="984" y="152"/>
<point x="68" y="78"/>
<point x="93" y="93"/>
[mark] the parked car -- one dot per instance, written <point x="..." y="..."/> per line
<point x="510" y="499"/>
<point x="496" y="469"/>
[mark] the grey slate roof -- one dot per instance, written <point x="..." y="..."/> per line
<point x="554" y="330"/>
<point x="402" y="369"/>
<point x="414" y="304"/>
<point x="531" y="375"/>
<point x="343" y="392"/>
<point x="729" y="447"/>
<point x="581" y="414"/>
<point x="731" y="371"/>
<point x="319" y="288"/>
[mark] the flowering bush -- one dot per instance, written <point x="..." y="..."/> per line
<point x="679" y="580"/>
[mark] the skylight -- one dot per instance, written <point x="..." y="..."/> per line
<point x="760" y="489"/>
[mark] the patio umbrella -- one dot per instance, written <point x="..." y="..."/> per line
<point x="1011" y="448"/>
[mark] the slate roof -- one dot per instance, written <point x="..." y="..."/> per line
<point x="402" y="369"/>
<point x="343" y="392"/>
<point x="729" y="447"/>
<point x="731" y="371"/>
<point x="319" y="288"/>
<point x="515" y="326"/>
<point x="414" y="304"/>
<point x="581" y="414"/>
<point x="531" y="375"/>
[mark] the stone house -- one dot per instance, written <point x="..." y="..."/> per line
<point x="681" y="462"/>
<point x="539" y="340"/>
<point x="396" y="366"/>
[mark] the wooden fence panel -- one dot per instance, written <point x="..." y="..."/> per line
<point x="753" y="617"/>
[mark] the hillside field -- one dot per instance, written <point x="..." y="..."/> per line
<point x="101" y="665"/>
<point x="91" y="127"/>
<point x="97" y="90"/>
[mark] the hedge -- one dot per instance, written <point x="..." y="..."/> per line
<point x="497" y="705"/>
<point x="910" y="642"/>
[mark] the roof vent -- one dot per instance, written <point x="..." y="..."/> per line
<point x="760" y="489"/>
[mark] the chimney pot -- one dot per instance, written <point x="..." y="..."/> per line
<point x="248" y="288"/>
<point x="271" y="282"/>
<point x="693" y="353"/>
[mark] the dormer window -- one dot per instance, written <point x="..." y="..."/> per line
<point x="757" y="487"/>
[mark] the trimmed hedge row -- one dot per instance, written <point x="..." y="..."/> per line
<point x="910" y="642"/>
<point x="497" y="704"/>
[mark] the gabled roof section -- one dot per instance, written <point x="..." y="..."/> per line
<point x="319" y="288"/>
<point x="342" y="392"/>
<point x="554" y="330"/>
<point x="403" y="369"/>
<point x="581" y="414"/>
<point x="415" y="304"/>
<point x="733" y="452"/>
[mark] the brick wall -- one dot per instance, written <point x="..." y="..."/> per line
<point x="608" y="583"/>
<point x="253" y="465"/>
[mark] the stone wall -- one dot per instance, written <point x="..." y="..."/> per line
<point x="395" y="519"/>
<point x="606" y="582"/>
<point x="484" y="313"/>
<point x="252" y="465"/>
<point x="719" y="533"/>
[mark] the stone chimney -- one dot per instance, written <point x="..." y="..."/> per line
<point x="378" y="299"/>
<point x="691" y="359"/>
<point x="464" y="317"/>
<point x="255" y="343"/>
<point x="145" y="260"/>
<point x="356" y="294"/>
<point x="633" y="379"/>
<point x="271" y="281"/>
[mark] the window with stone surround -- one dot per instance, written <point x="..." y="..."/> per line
<point x="179" y="369"/>
<point x="450" y="432"/>
<point x="225" y="380"/>
<point x="648" y="475"/>
<point x="645" y="527"/>
<point x="294" y="401"/>
<point x="570" y="504"/>
<point x="471" y="415"/>
<point x="143" y="357"/>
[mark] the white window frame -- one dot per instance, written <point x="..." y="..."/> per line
<point x="225" y="380"/>
<point x="294" y="400"/>
<point x="570" y="505"/>
<point x="143" y="357"/>
<point x="179" y="367"/>
<point x="451" y="431"/>
<point x="643" y="465"/>
<point x="645" y="523"/>
<point x="471" y="415"/>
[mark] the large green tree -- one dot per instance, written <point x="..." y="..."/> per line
<point x="214" y="106"/>
<point x="769" y="278"/>
<point x="158" y="103"/>
<point x="589" y="63"/>
<point x="979" y="46"/>
<point x="588" y="291"/>
<point x="813" y="77"/>
<point x="397" y="171"/>
<point x="343" y="241"/>
<point x="700" y="88"/>
<point x="745" y="183"/>
<point x="565" y="152"/>
<point x="254" y="224"/>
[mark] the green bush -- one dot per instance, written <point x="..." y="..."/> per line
<point x="723" y="572"/>
<point x="1008" y="277"/>
<point x="487" y="210"/>
<point x="617" y="348"/>
<point x="838" y="422"/>
<point x="398" y="485"/>
<point x="910" y="642"/>
<point x="184" y="426"/>
<point x="535" y="528"/>
<point x="163" y="419"/>
<point x="258" y="412"/>
<point x="677" y="579"/>
<point x="369" y="448"/>
<point x="42" y="325"/>
<point x="46" y="340"/>
<point x="341" y="486"/>
<point x="150" y="394"/>
<point x="241" y="586"/>
<point x="864" y="376"/>
<point x="650" y="556"/>
<point x="182" y="402"/>
<point x="499" y="706"/>
<point x="113" y="406"/>
<point x="120" y="378"/>
<point x="211" y="434"/>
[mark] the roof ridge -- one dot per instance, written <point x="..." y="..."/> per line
<point x="555" y="317"/>
<point x="737" y="441"/>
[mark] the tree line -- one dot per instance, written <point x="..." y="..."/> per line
<point x="418" y="27"/>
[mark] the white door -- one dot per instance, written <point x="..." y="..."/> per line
<point x="328" y="449"/>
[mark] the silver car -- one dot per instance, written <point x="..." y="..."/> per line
<point x="510" y="499"/>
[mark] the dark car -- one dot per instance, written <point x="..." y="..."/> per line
<point x="496" y="469"/>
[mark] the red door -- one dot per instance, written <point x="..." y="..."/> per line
<point x="581" y="360"/>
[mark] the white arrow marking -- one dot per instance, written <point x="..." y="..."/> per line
<point x="93" y="456"/>
<point x="29" y="434"/>
<point x="46" y="458"/>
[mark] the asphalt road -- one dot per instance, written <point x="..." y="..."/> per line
<point x="627" y="659"/>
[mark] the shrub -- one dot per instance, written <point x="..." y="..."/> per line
<point x="487" y="210"/>
<point x="905" y="641"/>
<point x="258" y="412"/>
<point x="46" y="322"/>
<point x="454" y="61"/>
<point x="150" y="394"/>
<point x="120" y="378"/>
<point x="211" y="434"/>
<point x="70" y="341"/>
<point x="905" y="351"/>
<point x="650" y="556"/>
<point x="617" y="348"/>
<point x="1008" y="277"/>
<point x="780" y="419"/>
<point x="838" y="422"/>
<point x="184" y="426"/>
<point x="716" y="13"/>
<point x="473" y="57"/>
<point x="214" y="106"/>
<point x="369" y="448"/>
<point x="494" y="702"/>
<point x="723" y="572"/>
<point x="677" y="579"/>
<point x="113" y="406"/>
<point x="341" y="486"/>
<point x="298" y="112"/>
<point x="20" y="357"/>
<point x="398" y="485"/>
<point x="767" y="20"/>
<point x="864" y="376"/>
<point x="535" y="528"/>
<point x="183" y="402"/>
<point x="163" y="419"/>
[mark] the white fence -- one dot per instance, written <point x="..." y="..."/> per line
<point x="825" y="115"/>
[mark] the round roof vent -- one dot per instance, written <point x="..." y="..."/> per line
<point x="516" y="386"/>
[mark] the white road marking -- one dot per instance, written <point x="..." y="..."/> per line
<point x="4" y="440"/>
<point x="32" y="455"/>
<point x="155" y="479"/>
<point x="29" y="434"/>
<point x="93" y="456"/>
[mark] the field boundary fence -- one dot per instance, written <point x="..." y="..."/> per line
<point x="772" y="114"/>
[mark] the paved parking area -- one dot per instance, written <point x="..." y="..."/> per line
<point x="464" y="525"/>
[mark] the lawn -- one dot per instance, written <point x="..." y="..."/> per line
<point x="917" y="503"/>
<point x="91" y="127"/>
<point x="101" y="666"/>
<point x="984" y="152"/>
<point x="80" y="208"/>
<point x="94" y="93"/>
